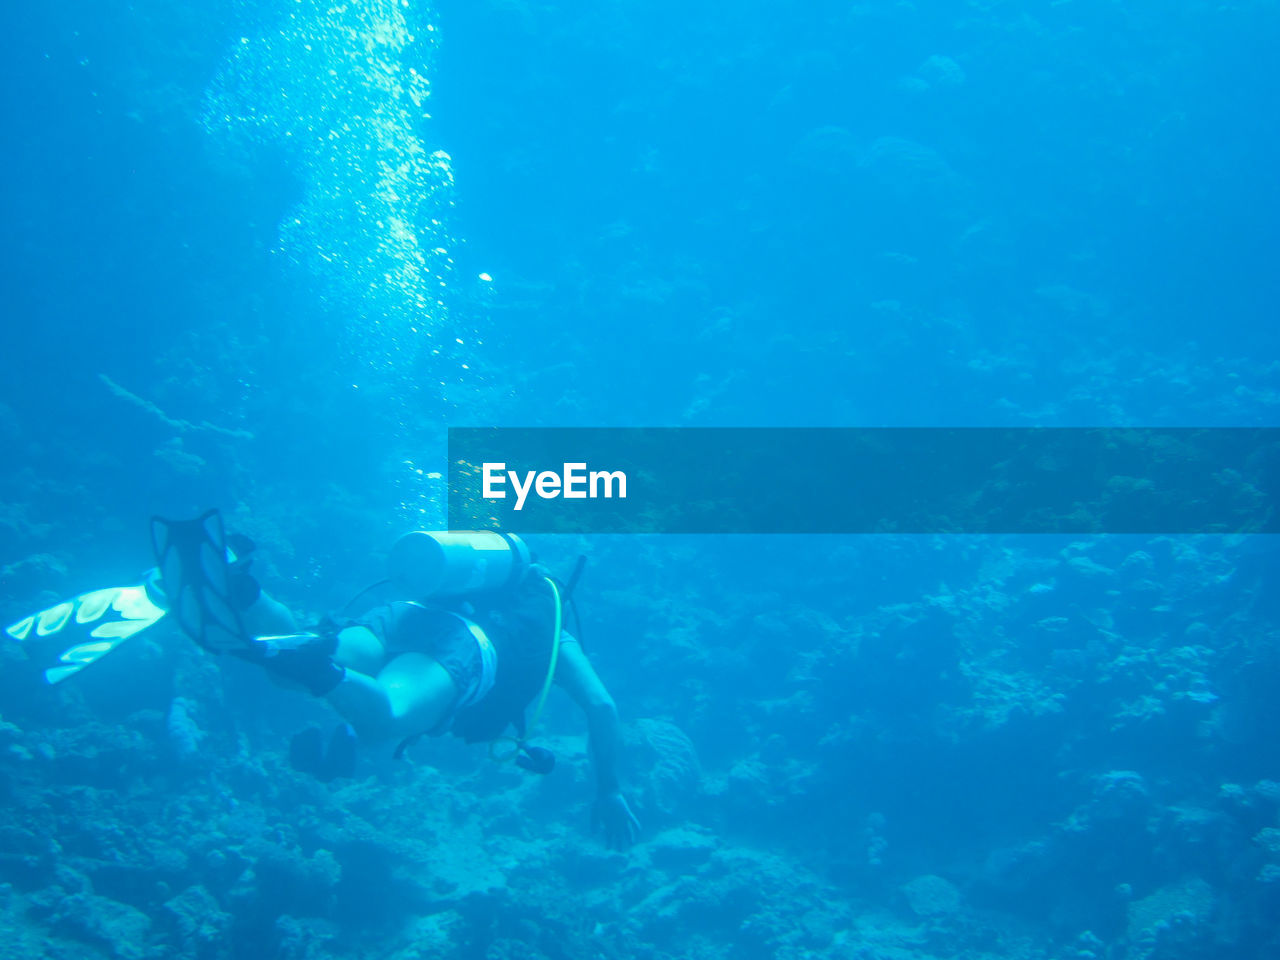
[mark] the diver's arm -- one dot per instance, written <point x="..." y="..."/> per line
<point x="575" y="673"/>
<point x="604" y="736"/>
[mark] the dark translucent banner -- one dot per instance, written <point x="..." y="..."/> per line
<point x="980" y="480"/>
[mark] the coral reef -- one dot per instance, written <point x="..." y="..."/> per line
<point x="884" y="748"/>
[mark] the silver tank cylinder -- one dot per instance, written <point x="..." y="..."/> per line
<point x="430" y="563"/>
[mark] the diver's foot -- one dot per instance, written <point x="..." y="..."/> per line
<point x="309" y="754"/>
<point x="242" y="587"/>
<point x="340" y="758"/>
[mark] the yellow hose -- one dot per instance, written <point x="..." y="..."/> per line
<point x="518" y="742"/>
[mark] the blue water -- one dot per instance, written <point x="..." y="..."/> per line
<point x="260" y="255"/>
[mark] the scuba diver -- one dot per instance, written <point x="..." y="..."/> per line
<point x="479" y="638"/>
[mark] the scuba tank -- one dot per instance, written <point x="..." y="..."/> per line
<point x="428" y="563"/>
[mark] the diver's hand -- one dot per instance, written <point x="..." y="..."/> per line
<point x="611" y="813"/>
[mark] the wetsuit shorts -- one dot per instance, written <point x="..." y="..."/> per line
<point x="446" y="638"/>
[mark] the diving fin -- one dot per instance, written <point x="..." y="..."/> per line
<point x="196" y="574"/>
<point x="109" y="617"/>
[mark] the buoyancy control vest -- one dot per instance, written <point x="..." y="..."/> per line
<point x="519" y="623"/>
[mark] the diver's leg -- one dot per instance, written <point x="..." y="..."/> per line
<point x="268" y="617"/>
<point x="315" y="662"/>
<point x="410" y="695"/>
<point x="361" y="650"/>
